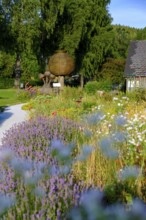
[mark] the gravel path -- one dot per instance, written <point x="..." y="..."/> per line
<point x="12" y="115"/>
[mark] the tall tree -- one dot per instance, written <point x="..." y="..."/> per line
<point x="25" y="23"/>
<point x="81" y="27"/>
<point x="87" y="33"/>
<point x="122" y="37"/>
<point x="6" y="38"/>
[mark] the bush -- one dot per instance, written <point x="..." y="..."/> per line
<point x="24" y="95"/>
<point x="71" y="92"/>
<point x="29" y="66"/>
<point x="41" y="193"/>
<point x="38" y="134"/>
<point x="36" y="82"/>
<point x="6" y="83"/>
<point x="7" y="61"/>
<point x="137" y="95"/>
<point x="92" y="87"/>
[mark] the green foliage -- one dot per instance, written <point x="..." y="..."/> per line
<point x="72" y="92"/>
<point x="7" y="61"/>
<point x="141" y="35"/>
<point x="30" y="67"/>
<point x="88" y="104"/>
<point x="24" y="96"/>
<point x="93" y="86"/>
<point x="25" y="24"/>
<point x="119" y="192"/>
<point x="35" y="29"/>
<point x="122" y="37"/>
<point x="6" y="83"/>
<point x="35" y="82"/>
<point x="113" y="69"/>
<point x="39" y="28"/>
<point x="137" y="95"/>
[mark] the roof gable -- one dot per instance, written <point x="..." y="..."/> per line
<point x="136" y="60"/>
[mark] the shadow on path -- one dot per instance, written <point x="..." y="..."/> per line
<point x="5" y="114"/>
<point x="2" y="108"/>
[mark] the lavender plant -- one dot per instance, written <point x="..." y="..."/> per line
<point x="29" y="169"/>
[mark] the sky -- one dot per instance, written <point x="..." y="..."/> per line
<point x="128" y="12"/>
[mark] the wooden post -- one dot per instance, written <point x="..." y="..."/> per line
<point x="61" y="81"/>
<point x="82" y="81"/>
<point x="17" y="83"/>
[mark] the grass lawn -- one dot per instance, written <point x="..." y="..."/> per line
<point x="8" y="97"/>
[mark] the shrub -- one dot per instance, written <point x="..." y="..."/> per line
<point x="71" y="92"/>
<point x="25" y="95"/>
<point x="92" y="87"/>
<point x="6" y="83"/>
<point x="31" y="173"/>
<point x="29" y="66"/>
<point x="32" y="138"/>
<point x="7" y="61"/>
<point x="137" y="95"/>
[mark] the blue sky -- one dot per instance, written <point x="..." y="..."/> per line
<point x="128" y="12"/>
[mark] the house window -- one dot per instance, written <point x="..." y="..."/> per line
<point x="137" y="82"/>
<point x="132" y="83"/>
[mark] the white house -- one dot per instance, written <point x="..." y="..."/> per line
<point x="135" y="68"/>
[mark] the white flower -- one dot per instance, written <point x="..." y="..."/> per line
<point x="115" y="98"/>
<point x="126" y="98"/>
<point x="129" y="128"/>
<point x="132" y="142"/>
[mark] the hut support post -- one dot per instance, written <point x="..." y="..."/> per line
<point x="61" y="80"/>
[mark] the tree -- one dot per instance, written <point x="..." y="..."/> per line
<point x="7" y="61"/>
<point x="141" y="35"/>
<point x="6" y="39"/>
<point x="80" y="27"/>
<point x="87" y="33"/>
<point x="113" y="70"/>
<point x="24" y="23"/>
<point x="122" y="37"/>
<point x="39" y="27"/>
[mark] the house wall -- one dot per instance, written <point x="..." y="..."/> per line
<point x="135" y="82"/>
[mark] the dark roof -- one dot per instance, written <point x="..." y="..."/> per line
<point x="136" y="60"/>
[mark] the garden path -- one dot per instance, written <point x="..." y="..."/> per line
<point x="12" y="115"/>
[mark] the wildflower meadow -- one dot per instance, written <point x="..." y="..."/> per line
<point x="79" y="156"/>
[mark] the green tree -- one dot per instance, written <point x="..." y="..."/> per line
<point x="141" y="35"/>
<point x="87" y="33"/>
<point x="113" y="70"/>
<point x="122" y="37"/>
<point x="7" y="61"/>
<point x="6" y="39"/>
<point x="39" y="27"/>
